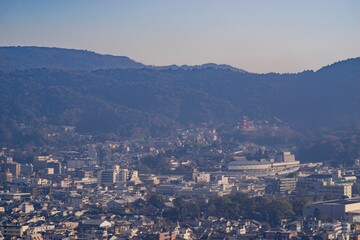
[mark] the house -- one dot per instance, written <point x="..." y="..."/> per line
<point x="280" y="233"/>
<point x="96" y="223"/>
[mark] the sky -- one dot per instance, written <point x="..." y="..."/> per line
<point x="257" y="36"/>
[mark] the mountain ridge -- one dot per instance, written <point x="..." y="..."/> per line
<point x="27" y="57"/>
<point x="122" y="101"/>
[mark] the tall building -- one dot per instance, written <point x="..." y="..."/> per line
<point x="56" y="165"/>
<point x="12" y="167"/>
<point x="41" y="161"/>
<point x="285" y="157"/>
<point x="203" y="177"/>
<point x="326" y="185"/>
<point x="336" y="191"/>
<point x="123" y="175"/>
<point x="26" y="169"/>
<point x="85" y="174"/>
<point x="47" y="162"/>
<point x="281" y="185"/>
<point x="134" y="177"/>
<point x="7" y="176"/>
<point x="9" y="160"/>
<point x="107" y="177"/>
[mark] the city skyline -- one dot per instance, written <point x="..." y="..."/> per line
<point x="102" y="137"/>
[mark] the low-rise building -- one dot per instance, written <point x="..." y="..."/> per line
<point x="340" y="209"/>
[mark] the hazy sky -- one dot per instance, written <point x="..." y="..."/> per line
<point x="258" y="36"/>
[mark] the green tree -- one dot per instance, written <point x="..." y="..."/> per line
<point x="156" y="201"/>
<point x="279" y="209"/>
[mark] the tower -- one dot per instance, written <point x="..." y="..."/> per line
<point x="244" y="123"/>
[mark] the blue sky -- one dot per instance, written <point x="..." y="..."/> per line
<point x="258" y="36"/>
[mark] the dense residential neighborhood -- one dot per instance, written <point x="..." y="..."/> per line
<point x="190" y="185"/>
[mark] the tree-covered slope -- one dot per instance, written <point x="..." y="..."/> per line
<point x="21" y="58"/>
<point x="122" y="101"/>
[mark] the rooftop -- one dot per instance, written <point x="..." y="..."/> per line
<point x="341" y="201"/>
<point x="319" y="176"/>
<point x="245" y="162"/>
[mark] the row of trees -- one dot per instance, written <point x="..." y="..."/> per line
<point x="269" y="209"/>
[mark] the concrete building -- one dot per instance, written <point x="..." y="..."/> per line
<point x="281" y="185"/>
<point x="167" y="236"/>
<point x="13" y="167"/>
<point x="335" y="191"/>
<point x="279" y="233"/>
<point x="123" y="175"/>
<point x="26" y="169"/>
<point x="15" y="231"/>
<point x="340" y="209"/>
<point x="326" y="185"/>
<point x="6" y="176"/>
<point x="312" y="182"/>
<point x="27" y="207"/>
<point x="285" y="157"/>
<point x="264" y="167"/>
<point x="14" y="196"/>
<point x="165" y="189"/>
<point x="203" y="177"/>
<point x="43" y="162"/>
<point x="107" y="177"/>
<point x="56" y="165"/>
<point x="134" y="177"/>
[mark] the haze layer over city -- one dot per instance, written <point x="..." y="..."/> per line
<point x="179" y="119"/>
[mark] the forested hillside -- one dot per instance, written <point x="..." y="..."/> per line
<point x="122" y="100"/>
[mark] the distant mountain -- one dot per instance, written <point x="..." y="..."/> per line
<point x="212" y="65"/>
<point x="126" y="101"/>
<point x="202" y="66"/>
<point x="22" y="58"/>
